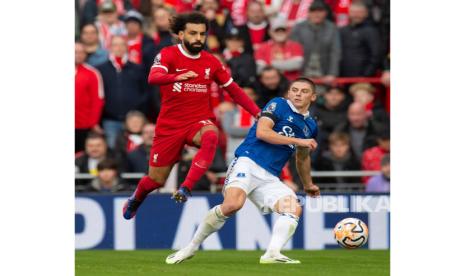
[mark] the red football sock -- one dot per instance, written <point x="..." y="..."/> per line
<point x="145" y="186"/>
<point x="202" y="160"/>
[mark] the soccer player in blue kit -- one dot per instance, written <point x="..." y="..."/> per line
<point x="283" y="128"/>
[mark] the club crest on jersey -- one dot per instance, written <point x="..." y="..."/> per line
<point x="207" y="73"/>
<point x="306" y="131"/>
<point x="271" y="107"/>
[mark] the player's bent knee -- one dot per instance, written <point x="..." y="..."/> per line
<point x="230" y="209"/>
<point x="158" y="179"/>
<point x="234" y="199"/>
<point x="209" y="138"/>
<point x="158" y="175"/>
<point x="288" y="205"/>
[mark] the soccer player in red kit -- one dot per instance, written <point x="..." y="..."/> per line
<point x="184" y="73"/>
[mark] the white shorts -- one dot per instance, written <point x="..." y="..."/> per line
<point x="262" y="188"/>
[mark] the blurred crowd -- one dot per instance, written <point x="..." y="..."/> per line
<point x="341" y="44"/>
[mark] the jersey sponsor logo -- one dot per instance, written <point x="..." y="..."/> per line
<point x="177" y="87"/>
<point x="195" y="87"/>
<point x="288" y="132"/>
<point x="207" y="73"/>
<point x="180" y="70"/>
<point x="240" y="174"/>
<point x="190" y="87"/>
<point x="271" y="107"/>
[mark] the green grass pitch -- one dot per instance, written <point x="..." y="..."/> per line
<point x="232" y="262"/>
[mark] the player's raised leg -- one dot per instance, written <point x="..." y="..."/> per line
<point x="233" y="201"/>
<point x="155" y="179"/>
<point x="290" y="211"/>
<point x="207" y="139"/>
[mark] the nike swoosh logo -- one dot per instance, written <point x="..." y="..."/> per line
<point x="202" y="167"/>
<point x="179" y="70"/>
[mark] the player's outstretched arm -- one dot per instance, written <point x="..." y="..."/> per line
<point x="303" y="165"/>
<point x="159" y="76"/>
<point x="266" y="133"/>
<point x="239" y="97"/>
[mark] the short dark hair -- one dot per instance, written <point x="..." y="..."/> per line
<point x="268" y="68"/>
<point x="303" y="79"/>
<point x="95" y="135"/>
<point x="88" y="24"/>
<point x="179" y="21"/>
<point x="339" y="136"/>
<point x="107" y="164"/>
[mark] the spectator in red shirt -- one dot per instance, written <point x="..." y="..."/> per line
<point x="294" y="11"/>
<point x="371" y="158"/>
<point x="283" y="54"/>
<point x="88" y="91"/>
<point x="141" y="48"/>
<point x="255" y="31"/>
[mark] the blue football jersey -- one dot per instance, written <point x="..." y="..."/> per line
<point x="288" y="122"/>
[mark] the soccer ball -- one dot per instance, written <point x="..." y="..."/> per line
<point x="351" y="233"/>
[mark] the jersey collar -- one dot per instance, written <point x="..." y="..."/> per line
<point x="307" y="114"/>
<point x="186" y="53"/>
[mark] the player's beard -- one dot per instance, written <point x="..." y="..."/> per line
<point x="194" y="48"/>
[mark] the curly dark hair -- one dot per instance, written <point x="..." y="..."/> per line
<point x="179" y="21"/>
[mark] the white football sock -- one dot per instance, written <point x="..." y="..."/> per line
<point x="283" y="230"/>
<point x="212" y="223"/>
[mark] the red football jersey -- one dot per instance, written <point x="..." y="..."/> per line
<point x="88" y="96"/>
<point x="186" y="102"/>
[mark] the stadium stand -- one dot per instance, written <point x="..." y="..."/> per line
<point x="345" y="51"/>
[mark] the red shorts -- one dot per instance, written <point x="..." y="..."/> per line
<point x="166" y="150"/>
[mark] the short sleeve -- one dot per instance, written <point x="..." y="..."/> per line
<point x="221" y="75"/>
<point x="163" y="59"/>
<point x="273" y="110"/>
